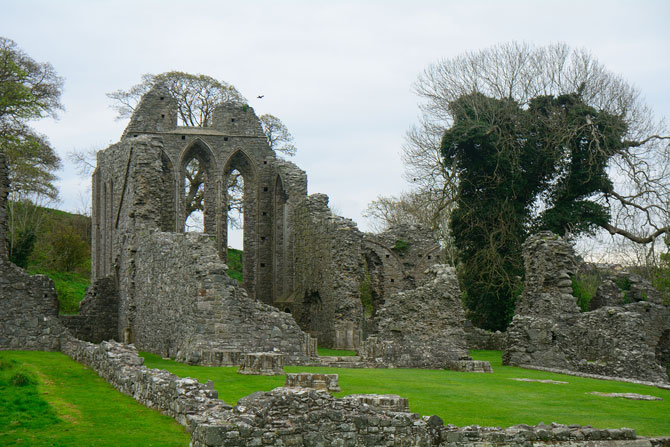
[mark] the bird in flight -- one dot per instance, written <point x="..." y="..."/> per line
<point x="260" y="96"/>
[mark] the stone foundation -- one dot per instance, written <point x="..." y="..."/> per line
<point x="262" y="363"/>
<point x="324" y="382"/>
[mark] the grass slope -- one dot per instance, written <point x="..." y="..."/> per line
<point x="62" y="403"/>
<point x="70" y="287"/>
<point x="469" y="398"/>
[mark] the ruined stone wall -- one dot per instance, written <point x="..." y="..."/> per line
<point x="98" y="313"/>
<point x="395" y="260"/>
<point x="628" y="341"/>
<point x="422" y="327"/>
<point x="186" y="306"/>
<point x="328" y="270"/>
<point x="28" y="304"/>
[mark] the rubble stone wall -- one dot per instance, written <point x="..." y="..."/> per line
<point x="185" y="304"/>
<point x="548" y="330"/>
<point x="420" y="328"/>
<point x="98" y="313"/>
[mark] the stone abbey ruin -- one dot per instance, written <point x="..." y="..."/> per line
<point x="160" y="289"/>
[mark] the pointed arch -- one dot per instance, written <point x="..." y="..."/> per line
<point x="198" y="185"/>
<point x="241" y="162"/>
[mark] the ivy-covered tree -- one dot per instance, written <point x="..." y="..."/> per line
<point x="522" y="169"/>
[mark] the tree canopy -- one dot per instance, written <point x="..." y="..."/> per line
<point x="28" y="90"/>
<point x="517" y="138"/>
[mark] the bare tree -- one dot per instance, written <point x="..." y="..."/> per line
<point x="197" y="96"/>
<point x="277" y="134"/>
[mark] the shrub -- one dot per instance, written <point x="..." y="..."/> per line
<point x="584" y="287"/>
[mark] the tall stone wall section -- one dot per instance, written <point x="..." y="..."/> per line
<point x="28" y="304"/>
<point x="396" y="260"/>
<point x="548" y="330"/>
<point x="306" y="417"/>
<point x="187" y="307"/>
<point x="422" y="327"/>
<point x="328" y="270"/>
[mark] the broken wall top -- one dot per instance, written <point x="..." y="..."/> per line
<point x="157" y="112"/>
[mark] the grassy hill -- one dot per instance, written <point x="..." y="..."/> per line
<point x="53" y="243"/>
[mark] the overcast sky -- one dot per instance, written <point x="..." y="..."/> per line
<point x="338" y="74"/>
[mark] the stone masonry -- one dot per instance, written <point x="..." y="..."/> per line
<point x="28" y="304"/>
<point x="173" y="294"/>
<point x="548" y="330"/>
<point x="420" y="328"/>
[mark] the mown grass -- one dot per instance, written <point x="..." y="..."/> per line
<point x="470" y="398"/>
<point x="327" y="352"/>
<point x="70" y="287"/>
<point x="62" y="403"/>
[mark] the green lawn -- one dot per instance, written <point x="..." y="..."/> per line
<point x="326" y="352"/>
<point x="471" y="398"/>
<point x="47" y="399"/>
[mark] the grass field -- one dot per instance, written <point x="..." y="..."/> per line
<point x="47" y="399"/>
<point x="469" y="398"/>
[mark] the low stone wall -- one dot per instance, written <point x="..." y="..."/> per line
<point x="186" y="400"/>
<point x="28" y="311"/>
<point x="477" y="338"/>
<point x="98" y="313"/>
<point x="304" y="417"/>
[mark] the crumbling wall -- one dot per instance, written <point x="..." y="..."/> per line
<point x="187" y="307"/>
<point x="549" y="331"/>
<point x="328" y="267"/>
<point x="98" y="313"/>
<point x="395" y="260"/>
<point x="28" y="304"/>
<point x="420" y="328"/>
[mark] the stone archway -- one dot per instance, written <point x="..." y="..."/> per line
<point x="240" y="164"/>
<point x="197" y="186"/>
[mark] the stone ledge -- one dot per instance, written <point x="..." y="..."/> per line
<point x="568" y="372"/>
